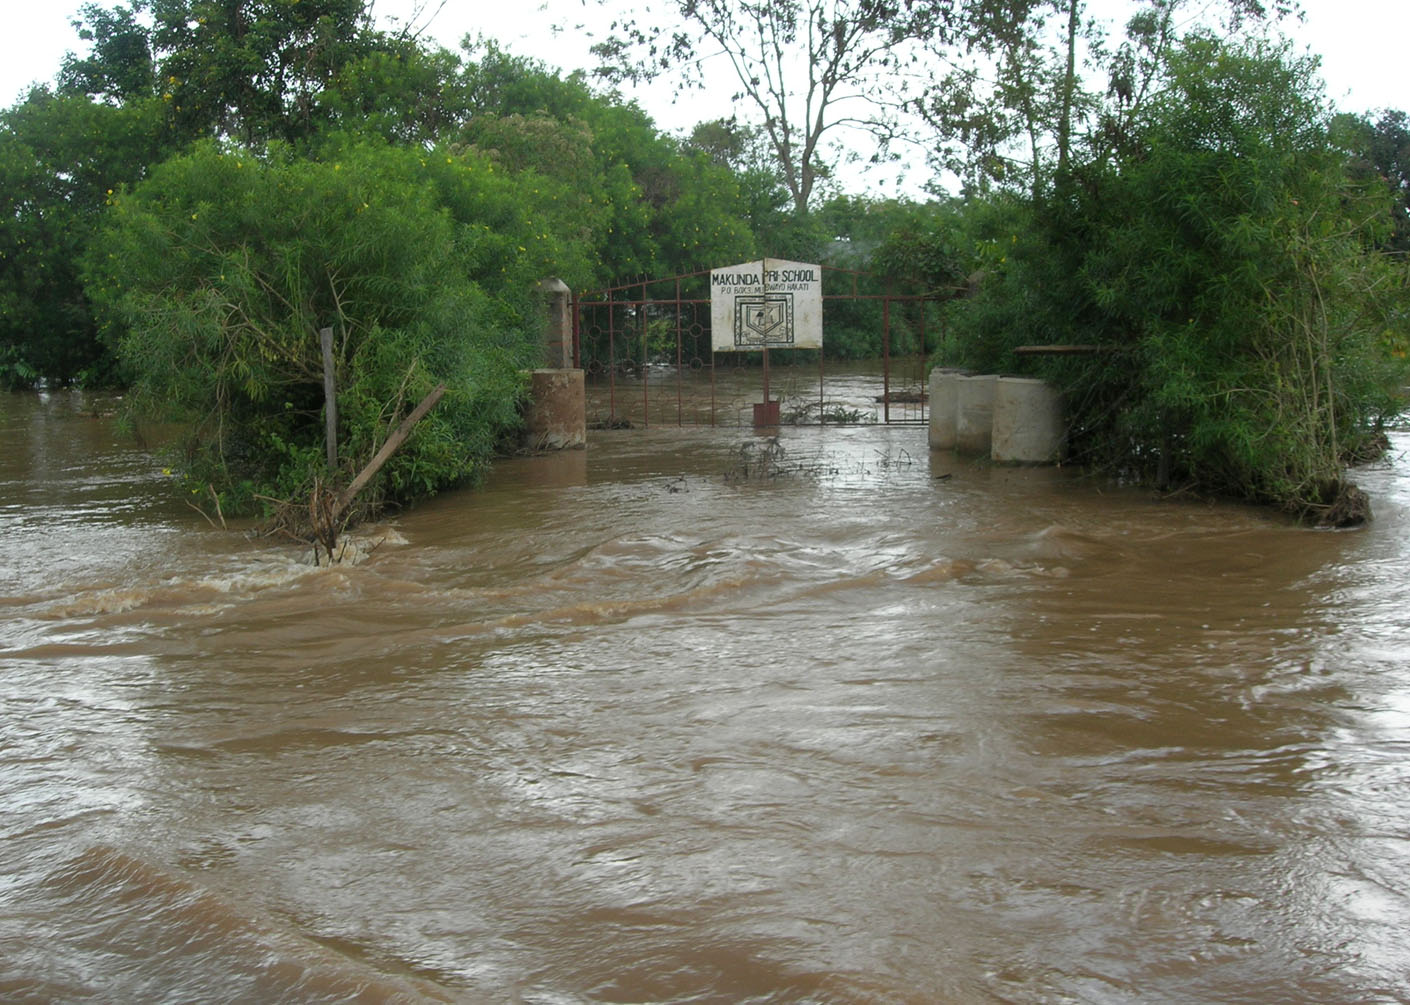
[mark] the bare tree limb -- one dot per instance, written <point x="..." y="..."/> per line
<point x="389" y="447"/>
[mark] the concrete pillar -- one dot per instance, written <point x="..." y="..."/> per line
<point x="556" y="415"/>
<point x="1028" y="425"/>
<point x="944" y="395"/>
<point x="558" y="331"/>
<point x="974" y="414"/>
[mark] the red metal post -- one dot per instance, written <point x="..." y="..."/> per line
<point x="577" y="335"/>
<point x="924" y="387"/>
<point x="611" y="363"/>
<point x="680" y="371"/>
<point x="886" y="360"/>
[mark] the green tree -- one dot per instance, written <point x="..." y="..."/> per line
<point x="402" y="92"/>
<point x="658" y="207"/>
<point x="1228" y="268"/>
<point x="645" y="201"/>
<point x="217" y="273"/>
<point x="251" y="71"/>
<point x="808" y="71"/>
<point x="745" y="151"/>
<point x="61" y="159"/>
<point x="120" y="65"/>
<point x="1381" y="150"/>
<point x="1018" y="101"/>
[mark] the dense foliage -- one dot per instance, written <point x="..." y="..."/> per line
<point x="1227" y="266"/>
<point x="217" y="273"/>
<point x="61" y="157"/>
<point x="234" y="178"/>
<point x="214" y="182"/>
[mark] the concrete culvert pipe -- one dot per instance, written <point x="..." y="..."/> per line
<point x="1028" y="426"/>
<point x="974" y="414"/>
<point x="944" y="395"/>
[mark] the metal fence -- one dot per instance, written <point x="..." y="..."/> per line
<point x="646" y="349"/>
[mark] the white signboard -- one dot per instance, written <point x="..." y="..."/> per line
<point x="766" y="304"/>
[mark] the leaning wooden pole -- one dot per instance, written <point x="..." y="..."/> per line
<point x="330" y="399"/>
<point x="388" y="448"/>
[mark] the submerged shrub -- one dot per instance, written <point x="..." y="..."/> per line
<point x="217" y="274"/>
<point x="1227" y="264"/>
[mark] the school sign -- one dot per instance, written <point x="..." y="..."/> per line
<point x="766" y="304"/>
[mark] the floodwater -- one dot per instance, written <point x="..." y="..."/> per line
<point x="849" y="392"/>
<point x="626" y="727"/>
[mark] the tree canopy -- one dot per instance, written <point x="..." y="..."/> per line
<point x="807" y="71"/>
<point x="216" y="274"/>
<point x="1227" y="264"/>
<point x="213" y="182"/>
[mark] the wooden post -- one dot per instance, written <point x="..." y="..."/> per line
<point x="330" y="399"/>
<point x="388" y="448"/>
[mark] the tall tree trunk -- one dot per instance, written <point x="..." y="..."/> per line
<point x="1069" y="87"/>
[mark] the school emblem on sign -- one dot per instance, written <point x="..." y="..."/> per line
<point x="764" y="321"/>
<point x="766" y="304"/>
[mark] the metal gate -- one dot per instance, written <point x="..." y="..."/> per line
<point x="646" y="349"/>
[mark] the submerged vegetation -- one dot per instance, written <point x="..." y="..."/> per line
<point x="211" y="186"/>
<point x="1234" y="267"/>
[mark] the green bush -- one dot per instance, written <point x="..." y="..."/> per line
<point x="1227" y="266"/>
<point x="217" y="273"/>
<point x="60" y="157"/>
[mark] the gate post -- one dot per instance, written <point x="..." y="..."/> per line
<point x="558" y="331"/>
<point x="556" y="415"/>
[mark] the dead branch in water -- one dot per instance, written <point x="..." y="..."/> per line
<point x="389" y="447"/>
<point x="215" y="497"/>
<point x="766" y="460"/>
<point x="323" y="518"/>
<point x="323" y="511"/>
<point x="202" y="512"/>
<point x="757" y="461"/>
<point x="309" y="522"/>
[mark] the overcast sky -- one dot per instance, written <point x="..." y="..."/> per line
<point x="1362" y="44"/>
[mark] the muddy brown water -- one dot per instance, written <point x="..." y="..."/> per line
<point x="891" y="727"/>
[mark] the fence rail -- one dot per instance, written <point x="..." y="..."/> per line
<point x="647" y="353"/>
